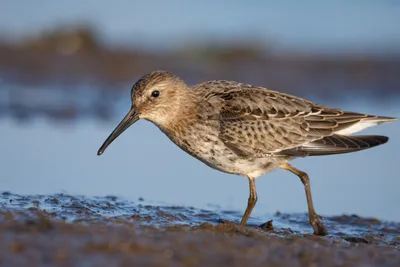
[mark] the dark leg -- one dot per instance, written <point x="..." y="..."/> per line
<point x="319" y="228"/>
<point x="250" y="203"/>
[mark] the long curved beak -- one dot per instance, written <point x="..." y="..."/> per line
<point x="129" y="119"/>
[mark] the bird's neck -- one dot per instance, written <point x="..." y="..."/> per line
<point x="182" y="115"/>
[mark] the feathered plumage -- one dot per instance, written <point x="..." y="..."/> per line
<point x="241" y="129"/>
<point x="257" y="122"/>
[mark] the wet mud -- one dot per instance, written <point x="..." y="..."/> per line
<point x="64" y="230"/>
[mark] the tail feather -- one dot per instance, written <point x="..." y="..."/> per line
<point x="337" y="144"/>
<point x="349" y="125"/>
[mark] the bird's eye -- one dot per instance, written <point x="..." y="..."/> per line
<point x="155" y="93"/>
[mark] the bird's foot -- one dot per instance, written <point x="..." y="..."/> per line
<point x="319" y="228"/>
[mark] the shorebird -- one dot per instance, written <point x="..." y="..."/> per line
<point x="246" y="130"/>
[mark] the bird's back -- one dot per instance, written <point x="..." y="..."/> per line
<point x="257" y="122"/>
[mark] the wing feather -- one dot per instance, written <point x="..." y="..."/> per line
<point x="257" y="122"/>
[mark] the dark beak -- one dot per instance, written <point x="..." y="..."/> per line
<point x="129" y="119"/>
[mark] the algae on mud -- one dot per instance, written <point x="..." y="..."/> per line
<point x="67" y="230"/>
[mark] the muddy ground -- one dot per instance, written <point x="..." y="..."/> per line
<point x="63" y="230"/>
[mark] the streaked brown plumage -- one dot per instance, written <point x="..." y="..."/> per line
<point x="242" y="129"/>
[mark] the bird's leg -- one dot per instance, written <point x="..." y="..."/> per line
<point x="319" y="228"/>
<point x="250" y="203"/>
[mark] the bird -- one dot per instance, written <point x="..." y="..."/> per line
<point x="246" y="130"/>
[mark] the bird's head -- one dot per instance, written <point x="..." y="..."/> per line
<point x="157" y="97"/>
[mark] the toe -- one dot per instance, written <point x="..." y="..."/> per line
<point x="319" y="228"/>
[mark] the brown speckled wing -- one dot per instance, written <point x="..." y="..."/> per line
<point x="256" y="122"/>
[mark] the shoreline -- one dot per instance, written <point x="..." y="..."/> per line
<point x="76" y="231"/>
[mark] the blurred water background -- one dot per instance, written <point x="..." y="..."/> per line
<point x="66" y="69"/>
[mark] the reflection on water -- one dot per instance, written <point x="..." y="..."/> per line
<point x="57" y="102"/>
<point x="47" y="156"/>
